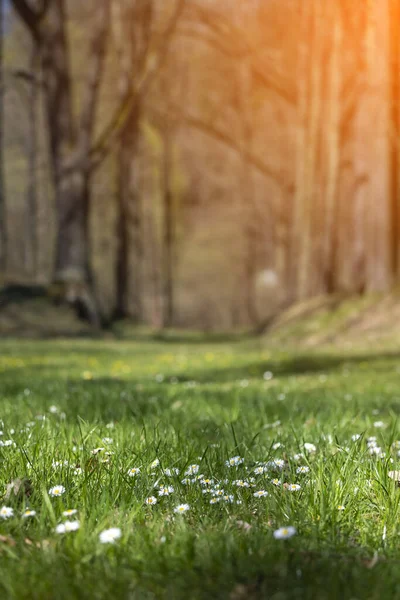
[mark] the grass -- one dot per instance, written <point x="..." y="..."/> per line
<point x="198" y="404"/>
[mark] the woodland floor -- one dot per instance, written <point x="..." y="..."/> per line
<point x="245" y="439"/>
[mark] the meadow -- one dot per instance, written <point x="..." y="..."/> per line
<point x="199" y="470"/>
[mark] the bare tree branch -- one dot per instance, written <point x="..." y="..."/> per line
<point x="140" y="87"/>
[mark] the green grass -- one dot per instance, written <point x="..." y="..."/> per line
<point x="198" y="404"/>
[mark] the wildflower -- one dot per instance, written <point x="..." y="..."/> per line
<point x="7" y="443"/>
<point x="302" y="470"/>
<point x="310" y="447"/>
<point x="293" y="487"/>
<point x="6" y="512"/>
<point x="217" y="492"/>
<point x="78" y="471"/>
<point x="192" y="470"/>
<point x="278" y="463"/>
<point x="171" y="472"/>
<point x="276" y="446"/>
<point x="284" y="533"/>
<point x="57" y="490"/>
<point x="133" y="472"/>
<point x="259" y="470"/>
<point x="166" y="491"/>
<point x="109" y="536"/>
<point x="298" y="456"/>
<point x="28" y="513"/>
<point x="107" y="440"/>
<point x="268" y="376"/>
<point x="214" y="500"/>
<point x="276" y="482"/>
<point x="70" y="512"/>
<point x="260" y="494"/>
<point x="234" y="461"/>
<point x="181" y="508"/>
<point x="67" y="527"/>
<point x="97" y="451"/>
<point x="379" y="424"/>
<point x="186" y="481"/>
<point x="341" y="507"/>
<point x="151" y="500"/>
<point x="229" y="498"/>
<point x="155" y="464"/>
<point x="53" y="409"/>
<point x="356" y="437"/>
<point x="208" y="482"/>
<point x="241" y="483"/>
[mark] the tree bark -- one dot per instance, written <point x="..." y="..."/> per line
<point x="3" y="225"/>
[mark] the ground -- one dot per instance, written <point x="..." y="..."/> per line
<point x="302" y="440"/>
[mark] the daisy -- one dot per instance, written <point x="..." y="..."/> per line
<point x="302" y="470"/>
<point x="70" y="512"/>
<point x="155" y="463"/>
<point x="260" y="494"/>
<point x="151" y="500"/>
<point x="57" y="490"/>
<point x="259" y="470"/>
<point x="28" y="513"/>
<point x="276" y="482"/>
<point x="181" y="508"/>
<point x="234" y="461"/>
<point x="241" y="483"/>
<point x="192" y="470"/>
<point x="341" y="507"/>
<point x="214" y="500"/>
<point x="171" y="472"/>
<point x="97" y="451"/>
<point x="310" y="447"/>
<point x="6" y="512"/>
<point x="229" y="498"/>
<point x="107" y="440"/>
<point x="284" y="533"/>
<point x="67" y="527"/>
<point x="108" y="536"/>
<point x="293" y="487"/>
<point x="133" y="472"/>
<point x="166" y="491"/>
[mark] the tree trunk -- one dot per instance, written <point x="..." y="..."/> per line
<point x="3" y="225"/>
<point x="31" y="213"/>
<point x="168" y="234"/>
<point x="129" y="226"/>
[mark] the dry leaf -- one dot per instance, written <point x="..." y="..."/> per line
<point x="5" y="539"/>
<point x="18" y="488"/>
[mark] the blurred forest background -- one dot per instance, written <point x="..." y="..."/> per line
<point x="199" y="163"/>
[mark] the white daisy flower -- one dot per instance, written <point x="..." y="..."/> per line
<point x="109" y="536"/>
<point x="70" y="512"/>
<point x="214" y="500"/>
<point x="97" y="451"/>
<point x="53" y="409"/>
<point x="134" y="471"/>
<point x="284" y="533"/>
<point x="276" y="482"/>
<point x="57" y="490"/>
<point x="356" y="437"/>
<point x="171" y="472"/>
<point x="166" y="491"/>
<point x="155" y="463"/>
<point x="241" y="483"/>
<point x="151" y="500"/>
<point x="341" y="507"/>
<point x="28" y="513"/>
<point x="293" y="487"/>
<point x="310" y="447"/>
<point x="192" y="470"/>
<point x="379" y="424"/>
<point x="181" y="508"/>
<point x="260" y="494"/>
<point x="6" y="512"/>
<point x="67" y="527"/>
<point x="302" y="470"/>
<point x="234" y="461"/>
<point x="107" y="440"/>
<point x="259" y="470"/>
